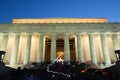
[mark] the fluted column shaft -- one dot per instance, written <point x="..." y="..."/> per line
<point x="115" y="41"/>
<point x="27" y="50"/>
<point x="13" y="58"/>
<point x="79" y="48"/>
<point x="53" y="46"/>
<point x="1" y="39"/>
<point x="4" y="42"/>
<point x="66" y="47"/>
<point x="41" y="46"/>
<point x="92" y="49"/>
<point x="105" y="50"/>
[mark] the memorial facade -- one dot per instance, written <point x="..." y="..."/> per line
<point x="72" y="39"/>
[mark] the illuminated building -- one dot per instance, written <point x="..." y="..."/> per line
<point x="73" y="39"/>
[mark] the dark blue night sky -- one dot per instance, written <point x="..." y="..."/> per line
<point x="10" y="9"/>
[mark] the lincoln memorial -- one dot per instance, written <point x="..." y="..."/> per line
<point x="71" y="39"/>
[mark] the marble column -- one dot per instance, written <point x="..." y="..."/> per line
<point x="92" y="49"/>
<point x="4" y="42"/>
<point x="53" y="46"/>
<point x="66" y="47"/>
<point x="105" y="49"/>
<point x="76" y="48"/>
<point x="14" y="53"/>
<point x="80" y="48"/>
<point x="115" y="41"/>
<point x="27" y="50"/>
<point x="1" y="39"/>
<point x="41" y="48"/>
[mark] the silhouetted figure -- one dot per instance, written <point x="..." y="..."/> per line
<point x="117" y="52"/>
<point x="2" y="54"/>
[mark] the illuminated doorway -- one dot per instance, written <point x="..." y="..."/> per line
<point x="60" y="49"/>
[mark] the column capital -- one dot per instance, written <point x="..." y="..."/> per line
<point x="26" y="33"/>
<point x="106" y="33"/>
<point x="78" y="33"/>
<point x="15" y="34"/>
<point x="41" y="33"/>
<point x="66" y="34"/>
<point x="53" y="34"/>
<point x="3" y="34"/>
<point x="90" y="33"/>
<point x="118" y="33"/>
<point x="94" y="33"/>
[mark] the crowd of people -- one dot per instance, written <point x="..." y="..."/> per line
<point x="62" y="71"/>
